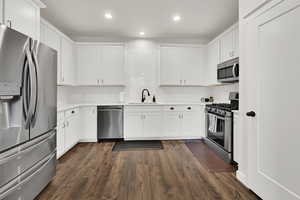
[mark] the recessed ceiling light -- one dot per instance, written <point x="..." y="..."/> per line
<point x="142" y="33"/>
<point x="176" y="18"/>
<point x="108" y="15"/>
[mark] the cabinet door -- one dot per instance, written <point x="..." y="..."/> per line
<point x="192" y="125"/>
<point x="172" y="125"/>
<point x="60" y="140"/>
<point x="67" y="62"/>
<point x="170" y="66"/>
<point x="213" y="59"/>
<point x="88" y="61"/>
<point x="192" y="68"/>
<point x="133" y="126"/>
<point x="88" y="131"/>
<point x="152" y="125"/>
<point x="227" y="46"/>
<point x="1" y="12"/>
<point x="112" y="65"/>
<point x="22" y="15"/>
<point x="72" y="131"/>
<point x="236" y="42"/>
<point x="52" y="39"/>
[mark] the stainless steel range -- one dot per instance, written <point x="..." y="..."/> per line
<point x="219" y="127"/>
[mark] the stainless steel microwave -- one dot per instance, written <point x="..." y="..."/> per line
<point x="228" y="72"/>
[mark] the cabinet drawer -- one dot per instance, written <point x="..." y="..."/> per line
<point x="71" y="112"/>
<point x="34" y="151"/>
<point x="142" y="108"/>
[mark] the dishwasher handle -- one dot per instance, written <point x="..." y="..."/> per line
<point x="111" y="109"/>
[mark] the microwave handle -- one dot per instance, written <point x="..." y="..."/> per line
<point x="233" y="70"/>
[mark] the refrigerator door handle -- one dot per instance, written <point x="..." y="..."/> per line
<point x="32" y="86"/>
<point x="35" y="92"/>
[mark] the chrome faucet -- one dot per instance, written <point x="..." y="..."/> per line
<point x="143" y="96"/>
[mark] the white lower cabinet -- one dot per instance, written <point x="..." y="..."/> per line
<point x="67" y="130"/>
<point x="163" y="122"/>
<point x="88" y="124"/>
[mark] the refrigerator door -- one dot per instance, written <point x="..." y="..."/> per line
<point x="44" y="114"/>
<point x="15" y="87"/>
<point x="12" y="55"/>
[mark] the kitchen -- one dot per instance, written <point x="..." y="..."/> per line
<point x="139" y="99"/>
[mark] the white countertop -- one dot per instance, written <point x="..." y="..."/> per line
<point x="236" y="111"/>
<point x="71" y="106"/>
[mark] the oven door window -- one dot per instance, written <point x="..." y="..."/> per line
<point x="218" y="135"/>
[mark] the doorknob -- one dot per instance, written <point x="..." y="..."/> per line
<point x="251" y="114"/>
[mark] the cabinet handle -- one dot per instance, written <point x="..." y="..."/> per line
<point x="73" y="111"/>
<point x="189" y="108"/>
<point x="8" y="23"/>
<point x="172" y="108"/>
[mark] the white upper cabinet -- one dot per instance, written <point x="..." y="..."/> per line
<point x="112" y="65"/>
<point x="213" y="59"/>
<point x="229" y="45"/>
<point x="88" y="62"/>
<point x="23" y="16"/>
<point x="68" y="67"/>
<point x="101" y="65"/>
<point x="181" y="66"/>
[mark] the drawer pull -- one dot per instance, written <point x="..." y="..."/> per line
<point x="172" y="108"/>
<point x="189" y="108"/>
<point x="73" y="112"/>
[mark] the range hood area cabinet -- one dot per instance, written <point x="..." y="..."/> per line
<point x="229" y="44"/>
<point x="182" y="65"/>
<point x="100" y="65"/>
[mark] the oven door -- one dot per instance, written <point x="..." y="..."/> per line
<point x="219" y="130"/>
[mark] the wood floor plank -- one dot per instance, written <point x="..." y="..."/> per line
<point x="93" y="171"/>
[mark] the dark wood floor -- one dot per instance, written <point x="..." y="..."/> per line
<point x="93" y="172"/>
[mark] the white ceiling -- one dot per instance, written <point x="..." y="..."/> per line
<point x="85" y="18"/>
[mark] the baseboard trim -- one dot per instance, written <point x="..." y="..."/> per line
<point x="88" y="140"/>
<point x="242" y="178"/>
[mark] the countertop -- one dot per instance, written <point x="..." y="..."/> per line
<point x="71" y="106"/>
<point x="236" y="111"/>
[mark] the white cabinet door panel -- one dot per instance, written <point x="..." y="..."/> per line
<point x="67" y="62"/>
<point x="213" y="51"/>
<point x="170" y="66"/>
<point x="227" y="46"/>
<point x="112" y="65"/>
<point x="60" y="140"/>
<point x="133" y="125"/>
<point x="22" y="15"/>
<point x="152" y="124"/>
<point x="88" y="116"/>
<point x="88" y="62"/>
<point x="172" y="125"/>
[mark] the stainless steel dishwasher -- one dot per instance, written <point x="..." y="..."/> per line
<point x="110" y="122"/>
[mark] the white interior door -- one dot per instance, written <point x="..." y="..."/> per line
<point x="272" y="55"/>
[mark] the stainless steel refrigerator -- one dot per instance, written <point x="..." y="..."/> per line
<point x="28" y="104"/>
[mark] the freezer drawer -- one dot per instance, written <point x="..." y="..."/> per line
<point x="9" y="163"/>
<point x="17" y="160"/>
<point x="32" y="182"/>
<point x="34" y="151"/>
